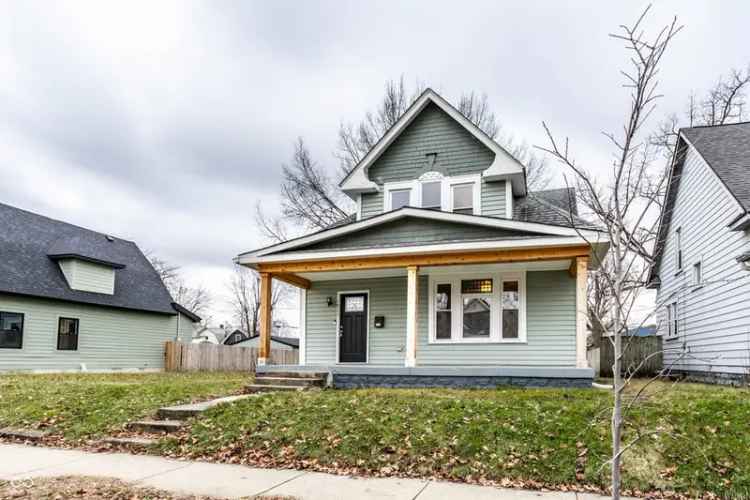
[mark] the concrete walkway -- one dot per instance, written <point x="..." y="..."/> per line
<point x="223" y="480"/>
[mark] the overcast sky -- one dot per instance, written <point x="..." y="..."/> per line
<point x="166" y="122"/>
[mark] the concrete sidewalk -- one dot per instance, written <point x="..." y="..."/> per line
<point x="223" y="480"/>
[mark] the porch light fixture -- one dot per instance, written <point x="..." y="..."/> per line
<point x="329" y="301"/>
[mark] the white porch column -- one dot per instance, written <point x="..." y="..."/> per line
<point x="580" y="267"/>
<point x="412" y="299"/>
<point x="302" y="326"/>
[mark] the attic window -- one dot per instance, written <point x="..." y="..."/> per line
<point x="431" y="195"/>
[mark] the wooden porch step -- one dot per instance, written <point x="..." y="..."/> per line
<point x="292" y="374"/>
<point x="291" y="381"/>
<point x="156" y="425"/>
<point x="25" y="434"/>
<point x="253" y="388"/>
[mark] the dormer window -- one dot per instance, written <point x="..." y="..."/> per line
<point x="433" y="191"/>
<point x="432" y="195"/>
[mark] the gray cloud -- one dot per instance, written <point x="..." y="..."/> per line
<point x="167" y="122"/>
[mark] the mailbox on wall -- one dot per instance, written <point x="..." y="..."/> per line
<point x="379" y="321"/>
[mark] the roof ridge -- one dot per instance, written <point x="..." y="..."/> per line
<point x="58" y="221"/>
<point x="716" y="125"/>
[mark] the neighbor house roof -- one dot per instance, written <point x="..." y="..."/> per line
<point x="726" y="151"/>
<point x="30" y="245"/>
<point x="290" y="341"/>
<point x="186" y="312"/>
<point x="556" y="207"/>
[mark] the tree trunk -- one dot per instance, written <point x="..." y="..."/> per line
<point x="617" y="365"/>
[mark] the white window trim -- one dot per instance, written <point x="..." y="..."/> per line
<point x="496" y="324"/>
<point x="446" y="191"/>
<point x="699" y="283"/>
<point x="398" y="186"/>
<point x="679" y="256"/>
<point x="672" y="320"/>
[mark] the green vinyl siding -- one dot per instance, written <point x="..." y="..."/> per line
<point x="88" y="276"/>
<point x="372" y="204"/>
<point x="493" y="199"/>
<point x="433" y="131"/>
<point x="108" y="338"/>
<point x="550" y="325"/>
<point x="415" y="232"/>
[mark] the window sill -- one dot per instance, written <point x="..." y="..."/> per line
<point x="696" y="287"/>
<point x="673" y="337"/>
<point x="679" y="272"/>
<point x="476" y="342"/>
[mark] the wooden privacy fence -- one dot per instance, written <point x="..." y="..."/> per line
<point x="637" y="350"/>
<point x="181" y="357"/>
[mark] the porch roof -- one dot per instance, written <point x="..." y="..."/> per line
<point x="465" y="233"/>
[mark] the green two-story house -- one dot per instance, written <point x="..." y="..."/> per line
<point x="452" y="274"/>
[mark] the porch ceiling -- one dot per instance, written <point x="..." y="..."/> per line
<point x="549" y="265"/>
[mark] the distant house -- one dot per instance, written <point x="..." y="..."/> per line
<point x="210" y="335"/>
<point x="643" y="331"/>
<point x="701" y="266"/>
<point x="73" y="299"/>
<point x="280" y="343"/>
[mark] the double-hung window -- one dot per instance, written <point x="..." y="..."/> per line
<point x="481" y="308"/>
<point x="399" y="198"/>
<point x="462" y="198"/>
<point x="11" y="330"/>
<point x="433" y="191"/>
<point x="698" y="274"/>
<point x="432" y="195"/>
<point x="67" y="334"/>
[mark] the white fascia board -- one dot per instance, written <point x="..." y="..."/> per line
<point x="484" y="221"/>
<point x="441" y="248"/>
<point x="504" y="164"/>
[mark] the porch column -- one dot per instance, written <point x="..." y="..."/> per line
<point x="581" y="275"/>
<point x="412" y="299"/>
<point x="265" y="319"/>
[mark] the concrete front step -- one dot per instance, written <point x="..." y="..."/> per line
<point x="254" y="388"/>
<point x="183" y="412"/>
<point x="291" y="374"/>
<point x="133" y="442"/>
<point x="25" y="434"/>
<point x="156" y="425"/>
<point x="291" y="381"/>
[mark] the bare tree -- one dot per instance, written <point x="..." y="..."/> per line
<point x="311" y="200"/>
<point x="723" y="103"/>
<point x="194" y="298"/>
<point x="244" y="287"/>
<point x="626" y="207"/>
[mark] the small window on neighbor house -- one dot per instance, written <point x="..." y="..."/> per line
<point x="443" y="314"/>
<point x="400" y="198"/>
<point x="678" y="248"/>
<point x="431" y="195"/>
<point x="11" y="330"/>
<point x="67" y="334"/>
<point x="463" y="198"/>
<point x="697" y="274"/>
<point x="672" y="320"/>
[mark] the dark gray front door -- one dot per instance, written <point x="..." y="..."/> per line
<point x="353" y="328"/>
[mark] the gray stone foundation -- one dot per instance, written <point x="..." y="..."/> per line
<point x="357" y="381"/>
<point x="717" y="378"/>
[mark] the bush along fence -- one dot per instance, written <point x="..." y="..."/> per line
<point x="180" y="357"/>
<point x="636" y="350"/>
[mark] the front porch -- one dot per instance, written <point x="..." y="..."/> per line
<point x="453" y="320"/>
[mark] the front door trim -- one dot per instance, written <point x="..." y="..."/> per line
<point x="338" y="322"/>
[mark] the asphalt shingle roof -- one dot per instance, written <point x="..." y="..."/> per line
<point x="31" y="243"/>
<point x="726" y="148"/>
<point x="552" y="206"/>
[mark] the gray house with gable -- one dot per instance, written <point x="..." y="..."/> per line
<point x="451" y="272"/>
<point x="74" y="299"/>
<point x="703" y="256"/>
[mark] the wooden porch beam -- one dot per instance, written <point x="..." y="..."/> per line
<point x="447" y="259"/>
<point x="265" y="318"/>
<point x="581" y="276"/>
<point x="294" y="280"/>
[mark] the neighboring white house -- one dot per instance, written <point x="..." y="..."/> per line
<point x="210" y="335"/>
<point x="701" y="267"/>
<point x="75" y="299"/>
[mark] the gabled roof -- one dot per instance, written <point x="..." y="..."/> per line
<point x="540" y="233"/>
<point x="504" y="166"/>
<point x="186" y="312"/>
<point x="552" y="206"/>
<point x="31" y="243"/>
<point x="290" y="341"/>
<point x="726" y="151"/>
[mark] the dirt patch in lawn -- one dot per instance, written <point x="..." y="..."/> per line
<point x="92" y="488"/>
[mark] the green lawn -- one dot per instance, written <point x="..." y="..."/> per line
<point x="79" y="406"/>
<point x="532" y="437"/>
